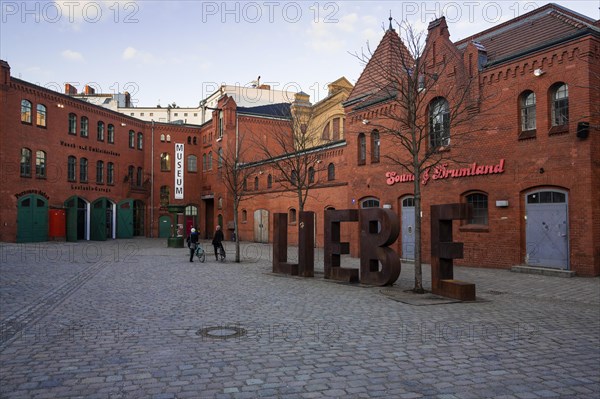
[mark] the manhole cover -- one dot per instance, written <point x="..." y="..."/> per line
<point x="221" y="332"/>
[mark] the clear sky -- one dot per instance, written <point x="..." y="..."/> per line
<point x="180" y="51"/>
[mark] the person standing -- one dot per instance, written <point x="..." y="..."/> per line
<point x="217" y="241"/>
<point x="192" y="241"/>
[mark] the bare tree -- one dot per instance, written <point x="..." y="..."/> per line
<point x="234" y="174"/>
<point x="291" y="151"/>
<point x="421" y="97"/>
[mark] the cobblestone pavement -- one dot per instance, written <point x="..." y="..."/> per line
<point x="121" y="319"/>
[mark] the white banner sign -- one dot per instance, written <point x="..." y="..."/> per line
<point x="179" y="171"/>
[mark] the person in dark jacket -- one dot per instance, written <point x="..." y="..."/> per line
<point x="217" y="241"/>
<point x="192" y="242"/>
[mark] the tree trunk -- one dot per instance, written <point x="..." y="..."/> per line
<point x="418" y="256"/>
<point x="235" y="231"/>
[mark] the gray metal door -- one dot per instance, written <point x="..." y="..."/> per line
<point x="261" y="225"/>
<point x="547" y="230"/>
<point x="408" y="228"/>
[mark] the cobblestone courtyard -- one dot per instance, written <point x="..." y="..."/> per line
<point x="122" y="319"/>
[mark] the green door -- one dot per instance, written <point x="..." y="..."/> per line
<point x="71" y="220"/>
<point x="98" y="220"/>
<point x="125" y="219"/>
<point x="32" y="219"/>
<point x="164" y="227"/>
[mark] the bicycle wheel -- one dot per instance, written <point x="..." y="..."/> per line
<point x="201" y="254"/>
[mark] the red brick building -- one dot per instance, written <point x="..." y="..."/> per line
<point x="529" y="152"/>
<point x="527" y="157"/>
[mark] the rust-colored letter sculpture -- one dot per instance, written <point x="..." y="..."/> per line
<point x="378" y="229"/>
<point x="306" y="244"/>
<point x="443" y="251"/>
<point x="334" y="248"/>
<point x="280" y="263"/>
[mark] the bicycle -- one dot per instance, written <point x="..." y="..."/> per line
<point x="221" y="254"/>
<point x="200" y="253"/>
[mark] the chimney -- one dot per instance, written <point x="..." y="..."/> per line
<point x="5" y="77"/>
<point x="70" y="90"/>
<point x="89" y="90"/>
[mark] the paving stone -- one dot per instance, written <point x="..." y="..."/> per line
<point x="115" y="330"/>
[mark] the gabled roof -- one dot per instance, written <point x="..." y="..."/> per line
<point x="281" y="110"/>
<point x="544" y="26"/>
<point x="388" y="57"/>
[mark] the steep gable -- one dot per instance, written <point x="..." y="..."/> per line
<point x="388" y="57"/>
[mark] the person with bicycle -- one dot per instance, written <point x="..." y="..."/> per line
<point x="192" y="241"/>
<point x="217" y="241"/>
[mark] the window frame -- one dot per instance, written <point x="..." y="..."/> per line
<point x="84" y="127"/>
<point x="439" y="124"/>
<point x="110" y="134"/>
<point x="192" y="163"/>
<point x="26" y="111"/>
<point x="25" y="162"/>
<point x="375" y="146"/>
<point x="362" y="149"/>
<point x="40" y="166"/>
<point x="110" y="173"/>
<point x="41" y="116"/>
<point x="559" y="107"/>
<point x="331" y="172"/>
<point x="72" y="125"/>
<point x="165" y="162"/>
<point x="99" y="172"/>
<point x="527" y="114"/>
<point x="100" y="131"/>
<point x="71" y="168"/>
<point x="83" y="170"/>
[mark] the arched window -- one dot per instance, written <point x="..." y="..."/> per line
<point x="140" y="141"/>
<point x="204" y="165"/>
<point x="84" y="126"/>
<point x="195" y="141"/>
<point x="269" y="181"/>
<point x="439" y="123"/>
<point x="71" y="168"/>
<point x="83" y="170"/>
<point x="41" y="115"/>
<point x="209" y="160"/>
<point x="25" y="162"/>
<point x="375" y="144"/>
<point x="111" y="134"/>
<point x="311" y="175"/>
<point x="370" y="202"/>
<point x="162" y="138"/>
<point x="72" y="123"/>
<point x="245" y="184"/>
<point x="192" y="163"/>
<point x="256" y="183"/>
<point x="189" y="139"/>
<point x="100" y="131"/>
<point x="99" y="172"/>
<point x="165" y="162"/>
<point x="40" y="164"/>
<point x="25" y="111"/>
<point x="220" y="158"/>
<point x="131" y="139"/>
<point x="221" y="126"/>
<point x="140" y="177"/>
<point x="479" y="201"/>
<point x="164" y="195"/>
<point x="362" y="149"/>
<point x="244" y="216"/>
<point x="292" y="215"/>
<point x="294" y="178"/>
<point x="220" y="203"/>
<point x="168" y="138"/>
<point x="560" y="104"/>
<point x="331" y="172"/>
<point x="130" y="171"/>
<point x="527" y="106"/>
<point x="110" y="173"/>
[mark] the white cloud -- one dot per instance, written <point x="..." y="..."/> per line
<point x="133" y="54"/>
<point x="72" y="55"/>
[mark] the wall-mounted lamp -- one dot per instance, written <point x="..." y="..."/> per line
<point x="365" y="121"/>
<point x="260" y="172"/>
<point x="123" y="124"/>
<point x="60" y="105"/>
<point x="319" y="161"/>
<point x="538" y="72"/>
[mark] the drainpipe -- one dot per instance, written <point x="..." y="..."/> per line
<point x="152" y="184"/>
